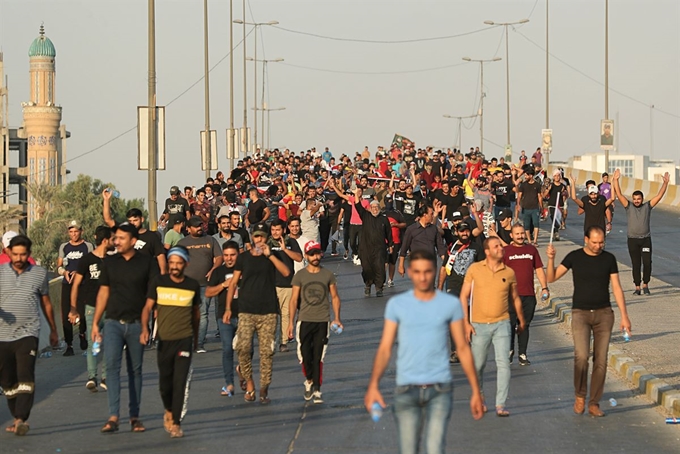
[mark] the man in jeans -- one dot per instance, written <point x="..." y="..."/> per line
<point x="422" y="319"/>
<point x="490" y="284"/>
<point x="593" y="269"/>
<point x="122" y="296"/>
<point x="530" y="204"/>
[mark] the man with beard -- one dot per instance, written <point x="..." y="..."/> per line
<point x="463" y="253"/>
<point x="176" y="298"/>
<point x="397" y="224"/>
<point x="225" y="233"/>
<point x="312" y="285"/>
<point x="407" y="203"/>
<point x="376" y="241"/>
<point x="23" y="288"/>
<point x="237" y="228"/>
<point x="556" y="193"/>
<point x="594" y="206"/>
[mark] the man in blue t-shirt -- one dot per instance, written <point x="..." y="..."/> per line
<point x="422" y="320"/>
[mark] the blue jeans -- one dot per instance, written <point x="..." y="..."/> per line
<point x="411" y="403"/>
<point x="91" y="359"/>
<point x="203" y="325"/>
<point x="117" y="335"/>
<point x="227" y="333"/>
<point x="498" y="334"/>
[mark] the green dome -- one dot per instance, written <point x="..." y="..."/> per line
<point x="42" y="46"/>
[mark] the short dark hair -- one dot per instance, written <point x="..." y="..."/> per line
<point x="224" y="216"/>
<point x="279" y="223"/>
<point x="594" y="228"/>
<point x="294" y="218"/>
<point x="231" y="244"/>
<point x="234" y="213"/>
<point x="422" y="254"/>
<point x="638" y="193"/>
<point x="189" y="188"/>
<point x="134" y="213"/>
<point x="102" y="233"/>
<point x="488" y="241"/>
<point x="201" y="190"/>
<point x="21" y="240"/>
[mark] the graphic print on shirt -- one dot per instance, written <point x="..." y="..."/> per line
<point x="463" y="260"/>
<point x="170" y="296"/>
<point x="139" y="244"/>
<point x="315" y="293"/>
<point x="95" y="272"/>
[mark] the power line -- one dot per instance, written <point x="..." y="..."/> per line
<point x="373" y="41"/>
<point x="592" y="78"/>
<point x="408" y="71"/>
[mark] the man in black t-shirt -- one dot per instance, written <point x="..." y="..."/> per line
<point x="257" y="209"/>
<point x="594" y="206"/>
<point x="255" y="270"/>
<point x="220" y="280"/>
<point x="122" y="296"/>
<point x="175" y="205"/>
<point x="530" y="204"/>
<point x="84" y="291"/>
<point x="593" y="269"/>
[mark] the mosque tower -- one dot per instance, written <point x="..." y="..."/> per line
<point x="41" y="121"/>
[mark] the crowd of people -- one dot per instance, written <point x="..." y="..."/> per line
<point x="250" y="245"/>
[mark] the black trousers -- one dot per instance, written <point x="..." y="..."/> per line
<point x="324" y="232"/>
<point x="354" y="238"/>
<point x="65" y="309"/>
<point x="174" y="361"/>
<point x="640" y="250"/>
<point x="528" y="308"/>
<point x="373" y="267"/>
<point x="17" y="375"/>
<point x="312" y="344"/>
<point x="345" y="236"/>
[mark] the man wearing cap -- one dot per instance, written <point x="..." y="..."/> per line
<point x="593" y="205"/>
<point x="70" y="254"/>
<point x="524" y="260"/>
<point x="4" y="254"/>
<point x="206" y="255"/>
<point x="503" y="190"/>
<point x="175" y="204"/>
<point x="23" y="288"/>
<point x="258" y="308"/>
<point x="530" y="204"/>
<point x="122" y="295"/>
<point x="312" y="285"/>
<point x="502" y="229"/>
<point x="376" y="242"/>
<point x="176" y="298"/>
<point x="175" y="234"/>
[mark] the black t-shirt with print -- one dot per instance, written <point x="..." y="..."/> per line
<point x="459" y="260"/>
<point x="179" y="206"/>
<point x="221" y="274"/>
<point x="90" y="268"/>
<point x="150" y="243"/>
<point x="175" y="302"/>
<point x="291" y="245"/>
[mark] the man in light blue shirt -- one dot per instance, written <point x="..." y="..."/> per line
<point x="422" y="320"/>
<point x="326" y="156"/>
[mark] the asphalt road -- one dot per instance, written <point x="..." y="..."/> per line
<point x="66" y="417"/>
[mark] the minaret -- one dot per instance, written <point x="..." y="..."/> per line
<point x="42" y="119"/>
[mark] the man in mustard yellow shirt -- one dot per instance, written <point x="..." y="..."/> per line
<point x="488" y="286"/>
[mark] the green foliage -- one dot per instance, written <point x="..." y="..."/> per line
<point x="80" y="200"/>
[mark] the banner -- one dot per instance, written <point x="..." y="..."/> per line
<point x="401" y="141"/>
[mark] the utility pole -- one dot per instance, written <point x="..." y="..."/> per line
<point x="547" y="79"/>
<point x="246" y="145"/>
<point x="151" y="194"/>
<point x="231" y="145"/>
<point x="606" y="76"/>
<point x="651" y="132"/>
<point x="208" y="145"/>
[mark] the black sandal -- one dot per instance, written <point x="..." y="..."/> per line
<point x="264" y="399"/>
<point x="110" y="427"/>
<point x="241" y="381"/>
<point x="136" y="425"/>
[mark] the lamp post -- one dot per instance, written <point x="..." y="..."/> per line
<point x="152" y="185"/>
<point x="208" y="145"/>
<point x="254" y="60"/>
<point x="231" y="145"/>
<point x="606" y="76"/>
<point x="460" y="120"/>
<point x="264" y="71"/>
<point x="482" y="95"/>
<point x="507" y="70"/>
<point x="265" y="109"/>
<point x="547" y="79"/>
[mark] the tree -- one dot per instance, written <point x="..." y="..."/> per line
<point x="79" y="200"/>
<point x="10" y="216"/>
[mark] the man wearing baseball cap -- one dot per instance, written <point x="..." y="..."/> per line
<point x="70" y="254"/>
<point x="312" y="285"/>
<point x="4" y="254"/>
<point x="594" y="206"/>
<point x="175" y="204"/>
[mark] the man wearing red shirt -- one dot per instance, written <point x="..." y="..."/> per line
<point x="397" y="223"/>
<point x="524" y="260"/>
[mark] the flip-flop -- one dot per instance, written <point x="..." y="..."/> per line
<point x="176" y="432"/>
<point x="249" y="396"/>
<point x="167" y="423"/>
<point x="110" y="427"/>
<point x="21" y="428"/>
<point x="226" y="392"/>
<point x="502" y="412"/>
<point x="137" y="426"/>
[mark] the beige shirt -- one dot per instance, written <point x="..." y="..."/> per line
<point x="491" y="292"/>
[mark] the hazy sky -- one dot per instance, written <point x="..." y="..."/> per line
<point x="102" y="75"/>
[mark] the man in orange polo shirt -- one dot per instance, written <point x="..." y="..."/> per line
<point x="488" y="286"/>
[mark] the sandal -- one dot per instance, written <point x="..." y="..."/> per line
<point x="264" y="400"/>
<point x="136" y="426"/>
<point x="110" y="427"/>
<point x="176" y="431"/>
<point x="167" y="422"/>
<point x="21" y="428"/>
<point x="249" y="396"/>
<point x="226" y="392"/>
<point x="241" y="381"/>
<point x="502" y="412"/>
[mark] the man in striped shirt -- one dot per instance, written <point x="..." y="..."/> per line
<point x="23" y="288"/>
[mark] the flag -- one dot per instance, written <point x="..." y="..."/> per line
<point x="401" y="141"/>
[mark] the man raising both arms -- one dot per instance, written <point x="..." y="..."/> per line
<point x="422" y="319"/>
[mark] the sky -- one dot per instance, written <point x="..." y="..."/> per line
<point x="344" y="92"/>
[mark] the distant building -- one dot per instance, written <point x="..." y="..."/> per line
<point x="633" y="166"/>
<point x="41" y="140"/>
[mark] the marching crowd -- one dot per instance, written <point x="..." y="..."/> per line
<point x="250" y="245"/>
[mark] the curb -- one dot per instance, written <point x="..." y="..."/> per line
<point x="654" y="388"/>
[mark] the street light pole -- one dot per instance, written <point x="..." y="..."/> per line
<point x="507" y="70"/>
<point x="460" y="130"/>
<point x="265" y="109"/>
<point x="262" y="105"/>
<point x="255" y="95"/>
<point x="206" y="68"/>
<point x="232" y="145"/>
<point x="152" y="189"/>
<point x="606" y="76"/>
<point x="482" y="95"/>
<point x="547" y="79"/>
<point x="246" y="144"/>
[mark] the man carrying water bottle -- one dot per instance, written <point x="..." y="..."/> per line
<point x="423" y="319"/>
<point x="312" y="285"/>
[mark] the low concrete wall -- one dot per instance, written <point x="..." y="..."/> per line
<point x="55" y="297"/>
<point x="628" y="185"/>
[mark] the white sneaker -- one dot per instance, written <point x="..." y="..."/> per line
<point x="390" y="283"/>
<point x="317" y="397"/>
<point x="308" y="390"/>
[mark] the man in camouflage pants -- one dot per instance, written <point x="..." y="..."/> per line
<point x="258" y="306"/>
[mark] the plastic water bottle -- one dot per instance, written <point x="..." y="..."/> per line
<point x="115" y="193"/>
<point x="47" y="354"/>
<point x="613" y="402"/>
<point x="544" y="295"/>
<point x="96" y="347"/>
<point x="376" y="412"/>
<point x="672" y="420"/>
<point x="336" y="328"/>
<point x="626" y="335"/>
